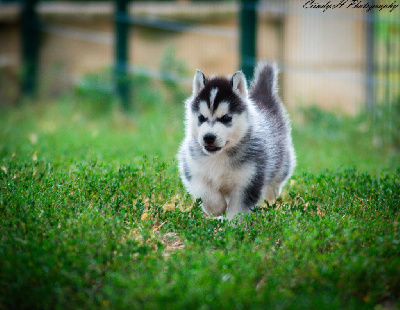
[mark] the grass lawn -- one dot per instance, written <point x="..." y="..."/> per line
<point x="93" y="215"/>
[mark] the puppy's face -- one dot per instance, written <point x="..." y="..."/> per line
<point x="218" y="112"/>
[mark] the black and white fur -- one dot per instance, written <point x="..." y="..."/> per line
<point x="238" y="147"/>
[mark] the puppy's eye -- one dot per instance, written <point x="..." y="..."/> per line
<point x="202" y="119"/>
<point x="225" y="119"/>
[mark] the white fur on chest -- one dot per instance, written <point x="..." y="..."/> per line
<point x="216" y="172"/>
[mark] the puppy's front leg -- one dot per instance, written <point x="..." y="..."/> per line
<point x="213" y="203"/>
<point x="236" y="205"/>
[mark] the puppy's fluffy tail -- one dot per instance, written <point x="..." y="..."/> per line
<point x="263" y="89"/>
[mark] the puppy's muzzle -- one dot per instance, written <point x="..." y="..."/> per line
<point x="209" y="140"/>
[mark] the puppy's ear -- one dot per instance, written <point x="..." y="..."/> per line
<point x="199" y="81"/>
<point x="239" y="84"/>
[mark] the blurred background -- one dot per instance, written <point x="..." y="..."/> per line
<point x="340" y="67"/>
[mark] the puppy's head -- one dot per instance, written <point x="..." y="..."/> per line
<point x="217" y="111"/>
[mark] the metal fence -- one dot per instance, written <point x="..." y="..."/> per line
<point x="379" y="50"/>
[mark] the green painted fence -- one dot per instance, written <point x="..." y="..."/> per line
<point x="30" y="28"/>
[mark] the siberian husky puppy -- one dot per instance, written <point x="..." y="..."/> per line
<point x="238" y="147"/>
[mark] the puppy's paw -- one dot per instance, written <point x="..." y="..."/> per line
<point x="221" y="218"/>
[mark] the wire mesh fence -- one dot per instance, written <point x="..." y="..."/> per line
<point x="339" y="55"/>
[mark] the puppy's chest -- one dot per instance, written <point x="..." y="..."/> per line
<point x="219" y="173"/>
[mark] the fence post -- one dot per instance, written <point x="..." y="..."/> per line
<point x="30" y="46"/>
<point x="248" y="35"/>
<point x="370" y="57"/>
<point x="122" y="53"/>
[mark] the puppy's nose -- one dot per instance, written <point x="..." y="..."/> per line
<point x="209" y="138"/>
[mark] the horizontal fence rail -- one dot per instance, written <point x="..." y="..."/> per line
<point x="178" y="26"/>
<point x="78" y="33"/>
